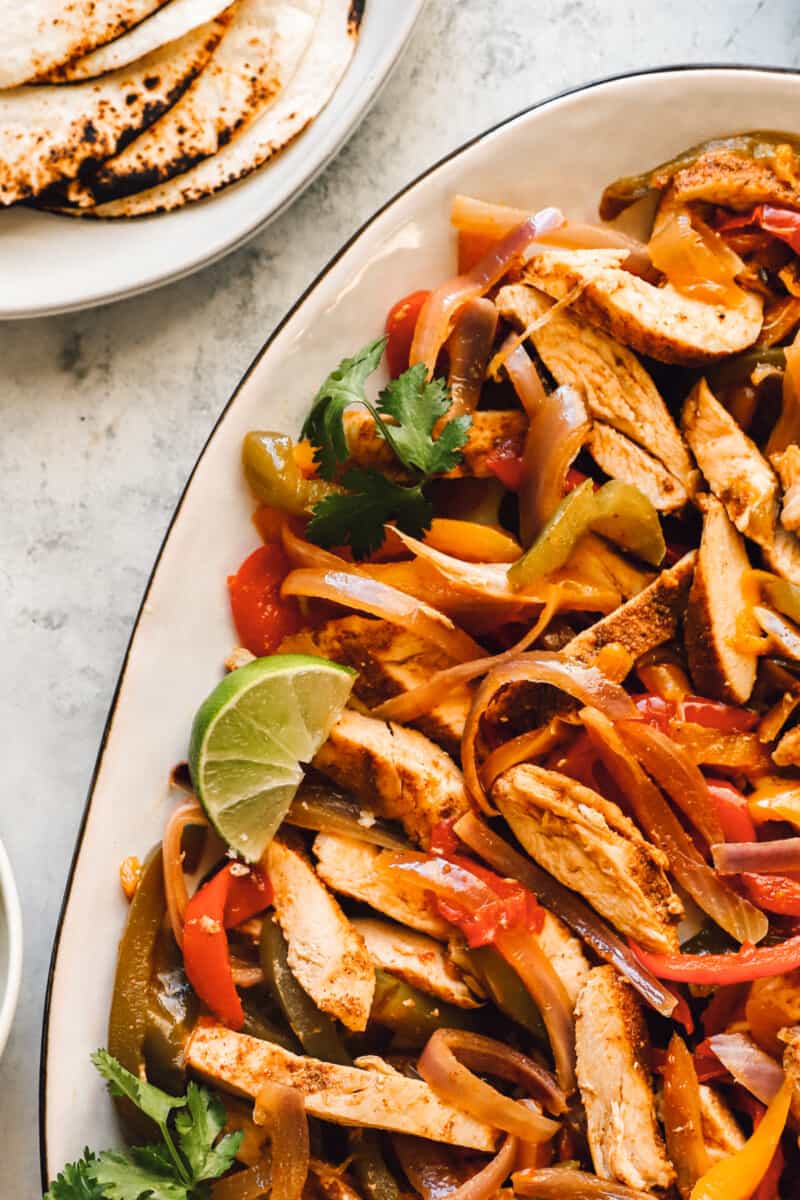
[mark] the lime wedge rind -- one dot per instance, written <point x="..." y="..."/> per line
<point x="251" y="734"/>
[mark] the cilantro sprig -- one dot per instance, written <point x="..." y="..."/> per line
<point x="406" y="413"/>
<point x="192" y="1149"/>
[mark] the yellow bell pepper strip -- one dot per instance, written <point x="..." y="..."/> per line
<point x="617" y="511"/>
<point x="737" y="1177"/>
<point x="274" y="476"/>
<point x="472" y="541"/>
<point x="775" y="799"/>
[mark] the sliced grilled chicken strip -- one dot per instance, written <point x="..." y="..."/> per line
<point x="565" y="953"/>
<point x="719" y="615"/>
<point x="326" y="954"/>
<point x="658" y="321"/>
<point x="622" y="459"/>
<point x="395" y="771"/>
<point x="645" y="622"/>
<point x="374" y="1099"/>
<point x="590" y="846"/>
<point x="615" y="385"/>
<point x="787" y="465"/>
<point x="737" y="472"/>
<point x="353" y="869"/>
<point x="783" y="556"/>
<point x="612" y="1050"/>
<point x="416" y="958"/>
<point x="734" y="180"/>
<point x="389" y="661"/>
<point x="489" y="431"/>
<point x="721" y="1131"/>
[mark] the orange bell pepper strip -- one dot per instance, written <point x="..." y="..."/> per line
<point x="472" y="541"/>
<point x="737" y="1177"/>
<point x="234" y="894"/>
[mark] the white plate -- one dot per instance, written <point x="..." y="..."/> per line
<point x="10" y="947"/>
<point x="53" y="264"/>
<point x="561" y="152"/>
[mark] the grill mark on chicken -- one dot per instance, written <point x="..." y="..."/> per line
<point x="718" y="614"/>
<point x="734" y="180"/>
<point x="737" y="472"/>
<point x="657" y="321"/>
<point x="616" y="387"/>
<point x="612" y="1048"/>
<point x="396" y="771"/>
<point x="389" y="661"/>
<point x="592" y="847"/>
<point x="326" y="954"/>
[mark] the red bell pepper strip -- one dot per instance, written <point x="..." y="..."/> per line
<point x="514" y="909"/>
<point x="706" y="1063"/>
<point x="712" y="714"/>
<point x="774" y="893"/>
<point x="507" y="465"/>
<point x="732" y="811"/>
<point x="400" y="324"/>
<point x="783" y="223"/>
<point x="234" y="894"/>
<point x="263" y="618"/>
<point x="748" y="963"/>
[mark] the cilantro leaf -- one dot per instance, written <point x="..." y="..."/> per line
<point x="137" y="1175"/>
<point x="151" y="1100"/>
<point x="416" y="404"/>
<point x="323" y="426"/>
<point x="198" y="1126"/>
<point x="358" y="516"/>
<point x="76" y="1182"/>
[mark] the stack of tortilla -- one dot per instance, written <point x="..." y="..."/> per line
<point x="118" y="108"/>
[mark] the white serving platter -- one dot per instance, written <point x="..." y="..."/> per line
<point x="11" y="938"/>
<point x="51" y="263"/>
<point x="561" y="152"/>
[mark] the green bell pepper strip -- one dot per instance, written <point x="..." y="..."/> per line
<point x="315" y="1030"/>
<point x="274" y="476"/>
<point x="412" y="1015"/>
<point x="172" y="1010"/>
<point x="127" y="1022"/>
<point x="617" y="511"/>
<point x="507" y="991"/>
<point x="620" y="194"/>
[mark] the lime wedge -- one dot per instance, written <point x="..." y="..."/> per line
<point x="250" y="736"/>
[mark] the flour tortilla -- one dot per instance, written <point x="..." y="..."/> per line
<point x="317" y="77"/>
<point x="256" y="58"/>
<point x="171" y="22"/>
<point x="38" y="35"/>
<point x="46" y="133"/>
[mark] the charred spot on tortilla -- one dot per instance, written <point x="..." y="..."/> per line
<point x="355" y="16"/>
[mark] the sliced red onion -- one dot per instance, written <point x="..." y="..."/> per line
<point x="761" y="858"/>
<point x="558" y="429"/>
<point x="564" y="1183"/>
<point x="438" y="311"/>
<point x="448" y="1063"/>
<point x="524" y="377"/>
<point x="282" y="1111"/>
<point x="435" y="1175"/>
<point x="749" y="1065"/>
<point x="469" y="348"/>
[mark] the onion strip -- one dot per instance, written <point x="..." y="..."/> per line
<point x="760" y="858"/>
<point x="174" y="879"/>
<point x="652" y="813"/>
<point x="565" y="1183"/>
<point x="469" y="347"/>
<point x="749" y="1065"/>
<point x="566" y="905"/>
<point x="677" y="773"/>
<point x="586" y="684"/>
<point x="369" y="595"/>
<point x="251" y="1184"/>
<point x="409" y="705"/>
<point x="281" y="1111"/>
<point x="436" y="317"/>
<point x="443" y="1066"/>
